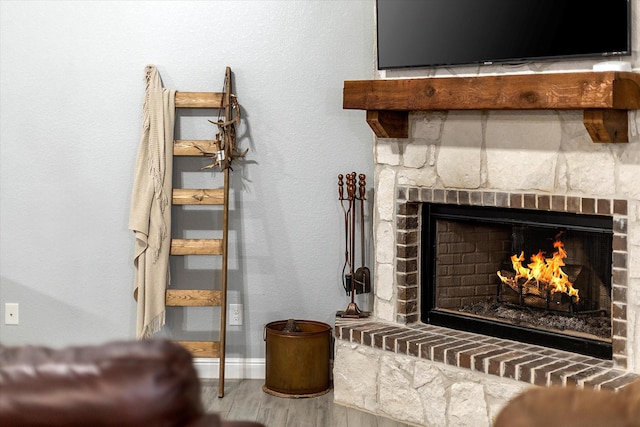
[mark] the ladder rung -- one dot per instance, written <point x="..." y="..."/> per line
<point x="196" y="246"/>
<point x="202" y="348"/>
<point x="199" y="100"/>
<point x="193" y="196"/>
<point x="194" y="147"/>
<point x="192" y="298"/>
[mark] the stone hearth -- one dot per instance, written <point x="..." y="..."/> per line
<point x="431" y="375"/>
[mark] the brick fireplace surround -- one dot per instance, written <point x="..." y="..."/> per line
<point x="393" y="365"/>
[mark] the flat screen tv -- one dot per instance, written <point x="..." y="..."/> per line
<point x="427" y="33"/>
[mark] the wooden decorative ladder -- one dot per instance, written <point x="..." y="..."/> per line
<point x="219" y="196"/>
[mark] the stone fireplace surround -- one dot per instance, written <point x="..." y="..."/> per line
<point x="393" y="365"/>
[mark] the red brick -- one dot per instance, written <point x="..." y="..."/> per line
<point x="578" y="378"/>
<point x="541" y="375"/>
<point x="479" y="360"/>
<point x="558" y="377"/>
<point x="620" y="382"/>
<point x="414" y="345"/>
<point x="525" y="370"/>
<point x="439" y="351"/>
<point x="511" y="366"/>
<point x="598" y="380"/>
<point x="426" y="346"/>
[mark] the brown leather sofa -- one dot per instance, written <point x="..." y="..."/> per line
<point x="125" y="383"/>
<point x="572" y="407"/>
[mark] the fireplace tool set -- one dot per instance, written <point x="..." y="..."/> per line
<point x="355" y="281"/>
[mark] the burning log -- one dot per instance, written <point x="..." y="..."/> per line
<point x="542" y="283"/>
<point x="522" y="285"/>
<point x="532" y="293"/>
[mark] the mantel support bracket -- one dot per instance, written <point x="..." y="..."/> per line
<point x="389" y="124"/>
<point x="607" y="125"/>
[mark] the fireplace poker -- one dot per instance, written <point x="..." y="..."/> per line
<point x="362" y="276"/>
<point x="351" y="192"/>
<point x="346" y="280"/>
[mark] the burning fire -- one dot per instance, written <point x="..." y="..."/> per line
<point x="544" y="273"/>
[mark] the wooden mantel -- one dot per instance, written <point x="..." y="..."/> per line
<point x="605" y="98"/>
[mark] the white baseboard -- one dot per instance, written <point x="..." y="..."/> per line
<point x="235" y="368"/>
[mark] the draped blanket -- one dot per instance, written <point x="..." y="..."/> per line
<point x="150" y="215"/>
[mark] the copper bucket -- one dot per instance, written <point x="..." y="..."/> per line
<point x="297" y="362"/>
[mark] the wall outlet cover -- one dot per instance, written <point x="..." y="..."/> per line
<point x="11" y="313"/>
<point x="235" y="314"/>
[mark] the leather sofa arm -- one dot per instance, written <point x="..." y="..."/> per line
<point x="129" y="383"/>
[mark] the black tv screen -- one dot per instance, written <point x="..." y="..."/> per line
<point x="425" y="33"/>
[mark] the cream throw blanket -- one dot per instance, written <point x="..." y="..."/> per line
<point x="150" y="216"/>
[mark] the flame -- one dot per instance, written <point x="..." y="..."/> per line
<point x="545" y="272"/>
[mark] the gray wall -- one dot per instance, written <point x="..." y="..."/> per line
<point x="72" y="85"/>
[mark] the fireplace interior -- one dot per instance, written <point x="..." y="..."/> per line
<point x="540" y="277"/>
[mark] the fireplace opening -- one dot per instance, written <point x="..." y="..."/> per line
<point x="539" y="277"/>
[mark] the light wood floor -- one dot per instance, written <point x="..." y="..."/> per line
<point x="245" y="400"/>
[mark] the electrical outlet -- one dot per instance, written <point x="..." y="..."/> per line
<point x="11" y="313"/>
<point x="235" y="314"/>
